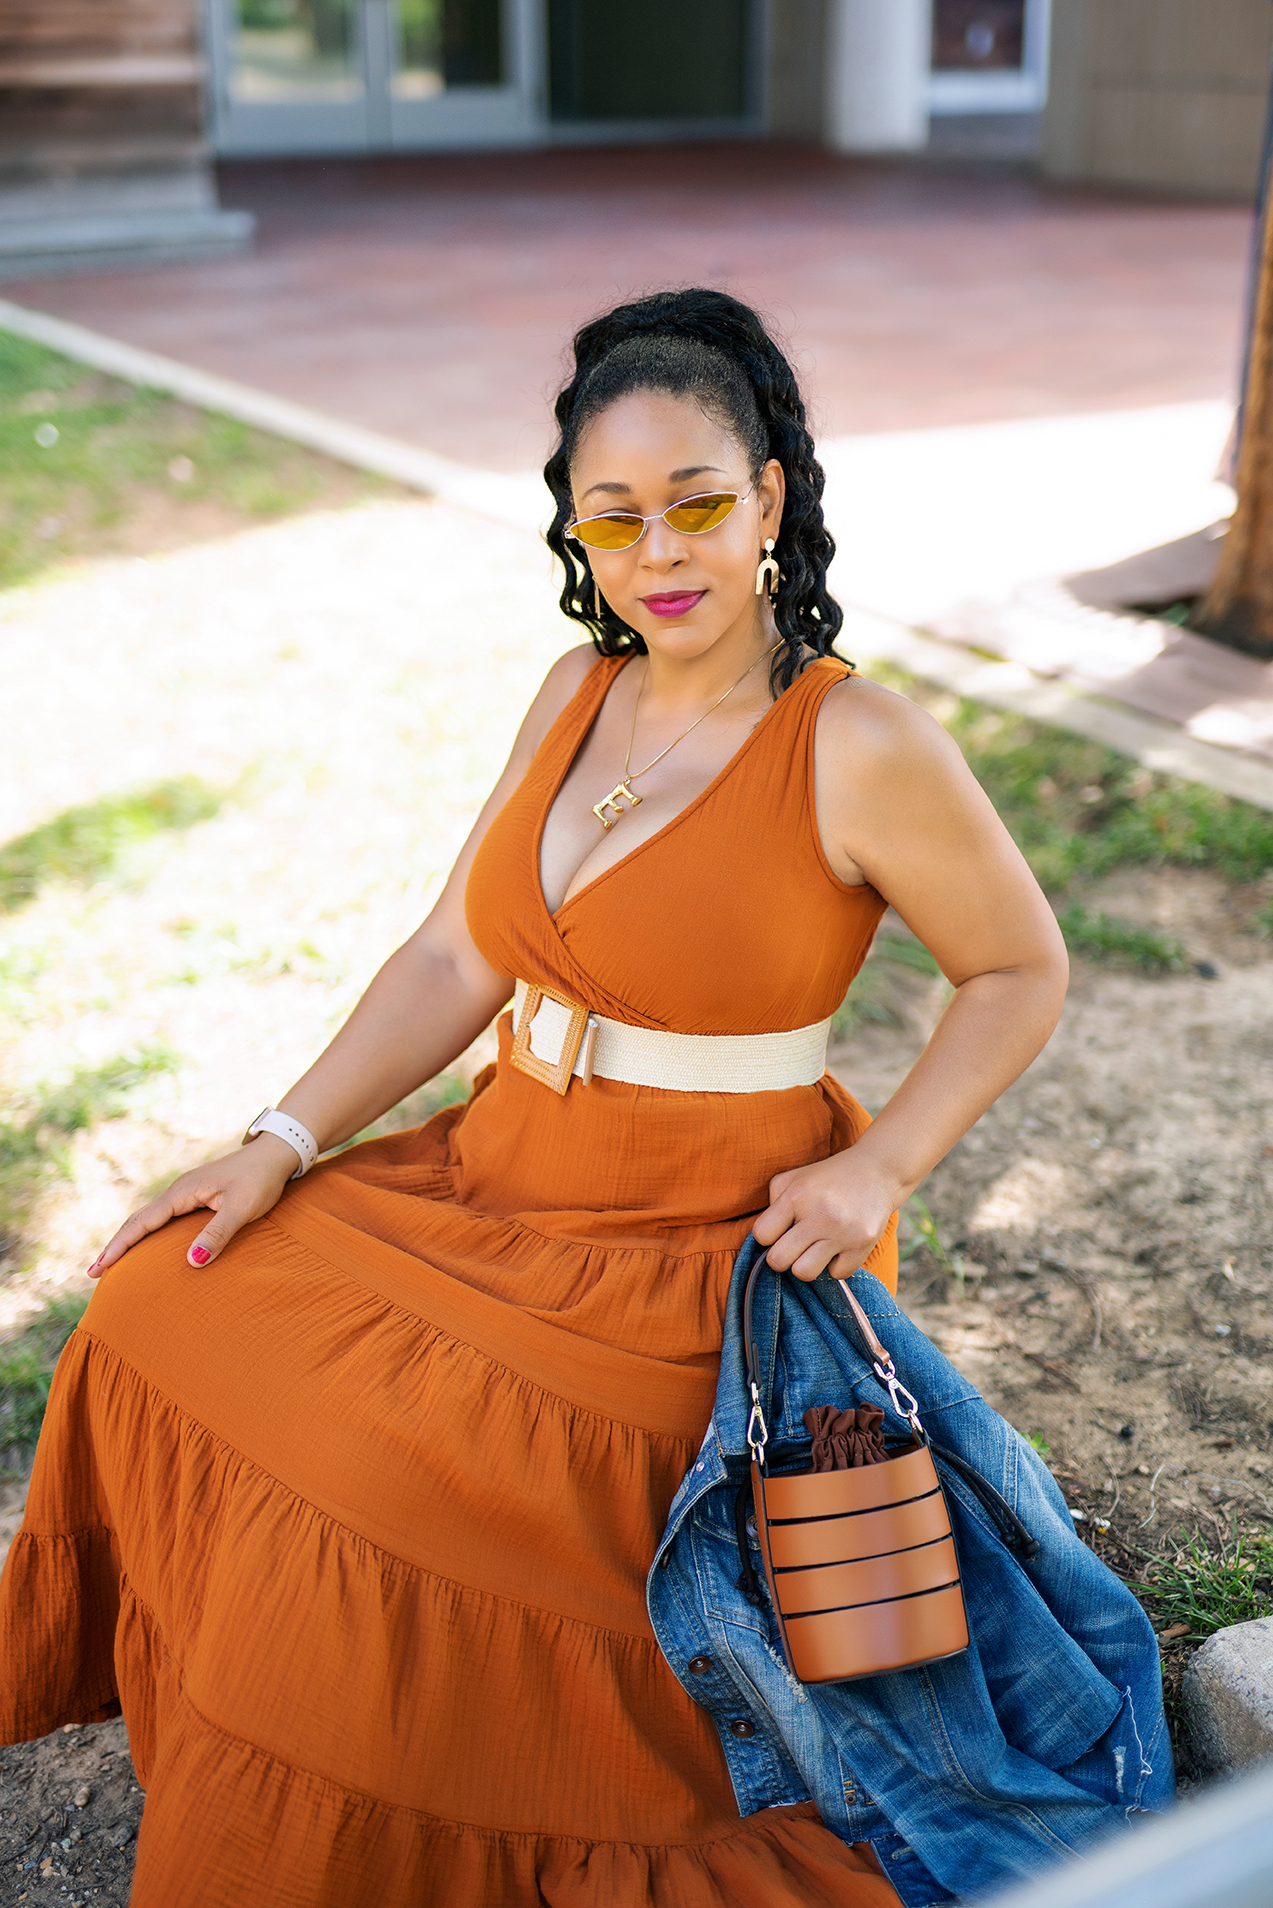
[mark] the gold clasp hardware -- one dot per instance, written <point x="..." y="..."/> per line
<point x="620" y="790"/>
<point x="580" y="1030"/>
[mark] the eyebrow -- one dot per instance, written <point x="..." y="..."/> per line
<point x="674" y="477"/>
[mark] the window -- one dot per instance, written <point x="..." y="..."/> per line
<point x="978" y="36"/>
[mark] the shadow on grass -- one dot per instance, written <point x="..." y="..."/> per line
<point x="27" y="1364"/>
<point x="82" y="455"/>
<point x="1078" y="811"/>
<point x="1103" y="937"/>
<point x="83" y="845"/>
<point x="35" y="1148"/>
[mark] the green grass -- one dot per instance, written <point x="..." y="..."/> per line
<point x="919" y="1231"/>
<point x="1078" y="811"/>
<point x="1210" y="1586"/>
<point x="26" y="1370"/>
<point x="104" y="446"/>
<point x="1181" y="612"/>
<point x="34" y="1142"/>
<point x="872" y="998"/>
<point x="83" y="845"/>
<point x="1104" y="938"/>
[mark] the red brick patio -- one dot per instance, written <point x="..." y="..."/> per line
<point x="429" y="297"/>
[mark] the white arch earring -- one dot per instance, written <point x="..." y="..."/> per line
<point x="596" y="597"/>
<point x="767" y="572"/>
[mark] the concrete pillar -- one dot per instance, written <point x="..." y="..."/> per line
<point x="878" y="55"/>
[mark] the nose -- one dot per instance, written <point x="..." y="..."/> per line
<point x="661" y="547"/>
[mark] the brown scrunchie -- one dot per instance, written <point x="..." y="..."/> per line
<point x="845" y="1440"/>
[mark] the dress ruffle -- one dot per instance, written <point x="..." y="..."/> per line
<point x="355" y="1523"/>
<point x="314" y="1714"/>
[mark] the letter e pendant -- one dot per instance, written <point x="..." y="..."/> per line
<point x="621" y="791"/>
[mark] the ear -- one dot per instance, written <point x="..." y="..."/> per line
<point x="771" y="493"/>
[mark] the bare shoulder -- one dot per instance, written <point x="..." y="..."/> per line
<point x="891" y="786"/>
<point x="563" y="681"/>
<point x="566" y="675"/>
<point x="865" y="730"/>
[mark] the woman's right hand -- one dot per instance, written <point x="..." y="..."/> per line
<point x="238" y="1188"/>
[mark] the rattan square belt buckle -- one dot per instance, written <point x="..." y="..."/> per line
<point x="573" y="1025"/>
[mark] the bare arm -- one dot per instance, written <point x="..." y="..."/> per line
<point x="898" y="805"/>
<point x="429" y="1002"/>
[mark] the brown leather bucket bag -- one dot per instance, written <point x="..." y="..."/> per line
<point x="860" y="1562"/>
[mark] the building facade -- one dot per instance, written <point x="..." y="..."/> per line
<point x="1166" y="94"/>
<point x="112" y="112"/>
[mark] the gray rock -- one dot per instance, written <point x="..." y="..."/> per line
<point x="1228" y="1697"/>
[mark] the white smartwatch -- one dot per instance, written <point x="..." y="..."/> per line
<point x="298" y="1137"/>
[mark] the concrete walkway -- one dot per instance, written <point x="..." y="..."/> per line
<point x="1014" y="383"/>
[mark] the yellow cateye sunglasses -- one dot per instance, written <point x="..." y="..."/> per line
<point x="620" y="529"/>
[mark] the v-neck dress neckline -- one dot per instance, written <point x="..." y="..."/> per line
<point x="728" y="919"/>
<point x="556" y="786"/>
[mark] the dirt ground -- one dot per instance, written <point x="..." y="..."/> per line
<point x="1113" y="1215"/>
<point x="1114" y="1211"/>
<point x="69" y="1809"/>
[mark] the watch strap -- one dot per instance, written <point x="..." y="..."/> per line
<point x="284" y="1127"/>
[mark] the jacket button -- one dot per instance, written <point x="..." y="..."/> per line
<point x="699" y="1665"/>
<point x="742" y="1729"/>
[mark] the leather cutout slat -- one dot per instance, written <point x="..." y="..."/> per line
<point x="844" y="1539"/>
<point x="901" y="1551"/>
<point x="835" y="1493"/>
<point x="844" y="1586"/>
<point x="836" y="1516"/>
<point x="879" y="1638"/>
<point x="833" y="1609"/>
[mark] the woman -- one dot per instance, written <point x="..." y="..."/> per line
<point x="348" y="1492"/>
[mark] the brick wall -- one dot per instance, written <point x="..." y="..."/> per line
<point x="93" y="86"/>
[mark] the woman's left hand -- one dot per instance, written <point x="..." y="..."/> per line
<point x="827" y="1214"/>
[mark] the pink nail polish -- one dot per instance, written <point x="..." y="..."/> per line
<point x="200" y="1254"/>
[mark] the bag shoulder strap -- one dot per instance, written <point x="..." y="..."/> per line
<point x="903" y="1402"/>
<point x="1013" y="1531"/>
<point x="876" y="1349"/>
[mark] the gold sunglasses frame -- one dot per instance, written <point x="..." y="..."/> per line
<point x="608" y="516"/>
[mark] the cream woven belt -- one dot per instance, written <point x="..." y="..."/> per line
<point x="555" y="1040"/>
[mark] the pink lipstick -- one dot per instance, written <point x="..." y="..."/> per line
<point x="674" y="602"/>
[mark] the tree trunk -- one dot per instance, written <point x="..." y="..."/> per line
<point x="1238" y="608"/>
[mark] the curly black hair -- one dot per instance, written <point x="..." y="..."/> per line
<point x="709" y="346"/>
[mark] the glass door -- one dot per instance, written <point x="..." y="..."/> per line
<point x="312" y="76"/>
<point x="673" y="64"/>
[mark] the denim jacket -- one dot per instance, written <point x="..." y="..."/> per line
<point x="966" y="1774"/>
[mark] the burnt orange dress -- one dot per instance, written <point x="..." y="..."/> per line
<point x="355" y="1525"/>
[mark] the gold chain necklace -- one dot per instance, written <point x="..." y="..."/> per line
<point x="623" y="789"/>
